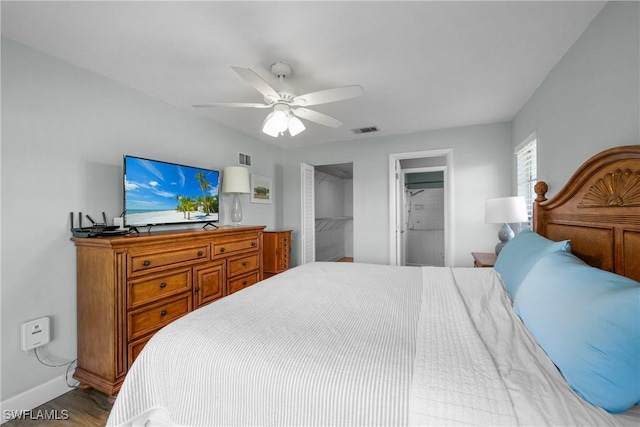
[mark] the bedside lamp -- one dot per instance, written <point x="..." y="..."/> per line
<point x="505" y="210"/>
<point x="235" y="180"/>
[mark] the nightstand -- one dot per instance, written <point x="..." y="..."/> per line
<point x="484" y="259"/>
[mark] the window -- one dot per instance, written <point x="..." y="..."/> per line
<point x="527" y="170"/>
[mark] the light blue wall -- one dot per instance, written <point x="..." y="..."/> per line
<point x="64" y="132"/>
<point x="591" y="100"/>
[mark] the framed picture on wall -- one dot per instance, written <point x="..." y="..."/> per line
<point x="260" y="189"/>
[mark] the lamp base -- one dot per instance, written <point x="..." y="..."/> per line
<point x="504" y="235"/>
<point x="236" y="210"/>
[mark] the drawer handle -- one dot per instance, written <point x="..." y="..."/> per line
<point x="163" y="285"/>
<point x="244" y="263"/>
<point x="244" y="283"/>
<point x="196" y="290"/>
<point x="221" y="250"/>
<point x="146" y="263"/>
<point x="199" y="253"/>
<point x="163" y="313"/>
<point x="253" y="244"/>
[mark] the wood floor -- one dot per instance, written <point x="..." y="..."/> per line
<point x="75" y="408"/>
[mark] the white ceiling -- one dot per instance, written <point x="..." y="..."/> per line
<point x="423" y="64"/>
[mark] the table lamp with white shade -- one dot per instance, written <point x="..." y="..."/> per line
<point x="505" y="211"/>
<point x="235" y="180"/>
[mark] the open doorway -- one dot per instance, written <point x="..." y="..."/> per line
<point x="327" y="212"/>
<point x="429" y="241"/>
<point x="422" y="234"/>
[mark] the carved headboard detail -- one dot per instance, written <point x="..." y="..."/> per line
<point x="618" y="188"/>
<point x="598" y="210"/>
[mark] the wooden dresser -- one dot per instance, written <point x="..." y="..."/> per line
<point x="276" y="252"/>
<point x="131" y="286"/>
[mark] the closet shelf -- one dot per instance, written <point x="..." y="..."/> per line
<point x="325" y="224"/>
<point x="335" y="218"/>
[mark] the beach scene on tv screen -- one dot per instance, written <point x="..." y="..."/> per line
<point x="165" y="193"/>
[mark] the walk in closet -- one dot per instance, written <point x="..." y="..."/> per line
<point x="334" y="212"/>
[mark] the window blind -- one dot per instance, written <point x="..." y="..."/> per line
<point x="526" y="166"/>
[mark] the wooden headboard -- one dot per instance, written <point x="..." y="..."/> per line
<point x="598" y="210"/>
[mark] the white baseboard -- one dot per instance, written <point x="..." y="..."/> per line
<point x="33" y="398"/>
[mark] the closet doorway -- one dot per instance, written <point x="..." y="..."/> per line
<point x="327" y="212"/>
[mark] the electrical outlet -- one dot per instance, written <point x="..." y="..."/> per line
<point x="35" y="333"/>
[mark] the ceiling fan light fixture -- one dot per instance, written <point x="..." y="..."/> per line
<point x="295" y="125"/>
<point x="277" y="121"/>
<point x="268" y="126"/>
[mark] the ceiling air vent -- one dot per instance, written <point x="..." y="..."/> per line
<point x="244" y="159"/>
<point x="365" y="130"/>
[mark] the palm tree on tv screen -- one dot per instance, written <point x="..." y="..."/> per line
<point x="204" y="186"/>
<point x="212" y="203"/>
<point x="186" y="205"/>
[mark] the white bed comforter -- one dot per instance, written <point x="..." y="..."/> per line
<point x="352" y="344"/>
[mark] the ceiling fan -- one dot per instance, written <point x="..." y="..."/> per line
<point x="287" y="107"/>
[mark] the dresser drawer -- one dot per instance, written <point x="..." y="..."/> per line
<point x="285" y="263"/>
<point x="240" y="283"/>
<point x="284" y="256"/>
<point x="243" y="264"/>
<point x="155" y="316"/>
<point x="224" y="248"/>
<point x="135" y="348"/>
<point x="149" y="289"/>
<point x="139" y="262"/>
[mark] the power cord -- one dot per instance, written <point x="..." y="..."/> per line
<point x="58" y="365"/>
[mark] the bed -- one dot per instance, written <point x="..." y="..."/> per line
<point x="524" y="343"/>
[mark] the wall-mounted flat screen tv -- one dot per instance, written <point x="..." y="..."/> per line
<point x="161" y="193"/>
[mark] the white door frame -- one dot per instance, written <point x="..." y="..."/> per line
<point x="401" y="258"/>
<point x="396" y="200"/>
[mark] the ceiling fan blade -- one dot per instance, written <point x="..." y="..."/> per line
<point x="257" y="82"/>
<point x="233" y="104"/>
<point x="328" y="95"/>
<point x="314" y="116"/>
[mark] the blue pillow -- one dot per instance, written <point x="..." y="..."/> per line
<point x="520" y="254"/>
<point x="588" y="321"/>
